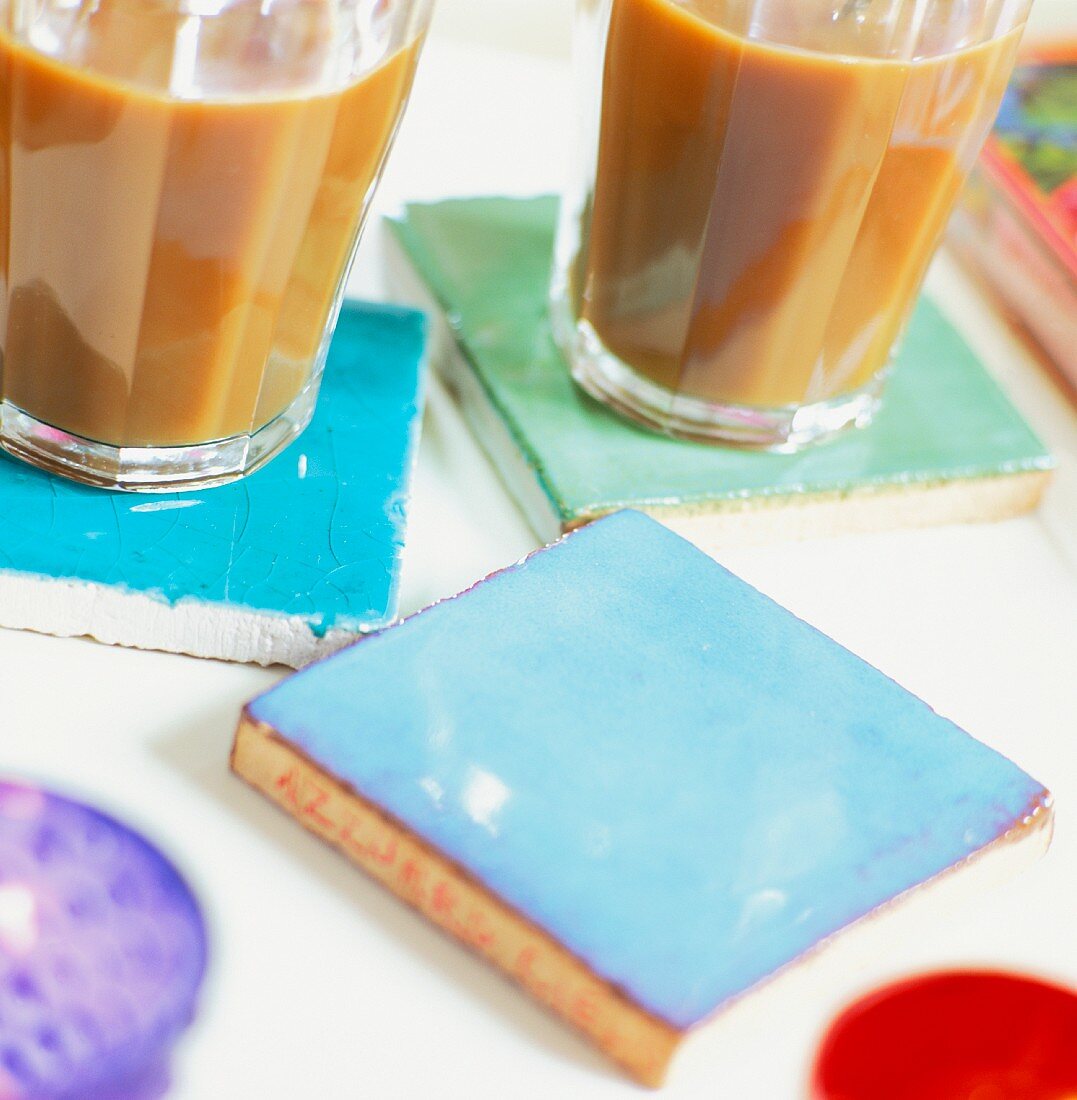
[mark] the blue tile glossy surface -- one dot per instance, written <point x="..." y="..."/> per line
<point x="680" y="781"/>
<point x="317" y="533"/>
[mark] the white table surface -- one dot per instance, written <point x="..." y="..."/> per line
<point x="321" y="985"/>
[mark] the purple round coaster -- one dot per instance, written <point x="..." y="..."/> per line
<point x="102" y="951"/>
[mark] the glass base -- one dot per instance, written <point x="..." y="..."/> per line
<point x="782" y="429"/>
<point x="152" y="469"/>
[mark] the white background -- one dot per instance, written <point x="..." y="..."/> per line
<point x="323" y="986"/>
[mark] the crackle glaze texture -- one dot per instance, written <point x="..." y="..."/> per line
<point x="680" y="781"/>
<point x="487" y="261"/>
<point x="317" y="534"/>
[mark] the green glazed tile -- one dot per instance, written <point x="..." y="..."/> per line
<point x="945" y="426"/>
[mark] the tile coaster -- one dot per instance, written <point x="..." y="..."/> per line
<point x="282" y="567"/>
<point x="633" y="782"/>
<point x="947" y="447"/>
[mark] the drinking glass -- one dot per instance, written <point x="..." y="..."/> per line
<point x="182" y="189"/>
<point x="759" y="188"/>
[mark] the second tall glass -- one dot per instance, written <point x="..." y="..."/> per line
<point x="760" y="187"/>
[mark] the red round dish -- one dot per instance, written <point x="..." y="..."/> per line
<point x="966" y="1035"/>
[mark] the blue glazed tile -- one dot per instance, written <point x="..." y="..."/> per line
<point x="282" y="566"/>
<point x="678" y="780"/>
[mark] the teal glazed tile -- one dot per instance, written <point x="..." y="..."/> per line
<point x="945" y="425"/>
<point x="679" y="781"/>
<point x="283" y="566"/>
